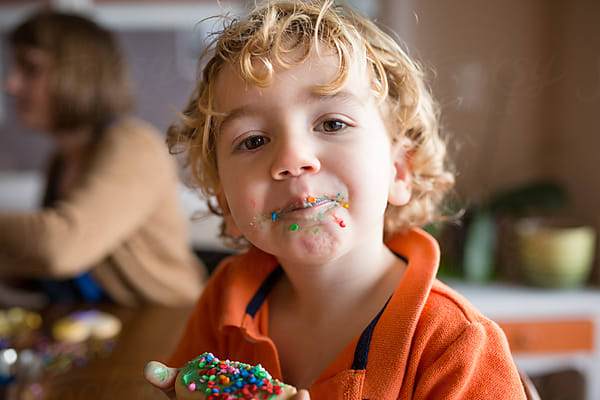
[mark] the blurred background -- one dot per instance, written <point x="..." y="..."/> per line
<point x="518" y="83"/>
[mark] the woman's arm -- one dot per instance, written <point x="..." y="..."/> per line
<point x="128" y="175"/>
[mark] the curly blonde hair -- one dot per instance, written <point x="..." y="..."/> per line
<point x="279" y="27"/>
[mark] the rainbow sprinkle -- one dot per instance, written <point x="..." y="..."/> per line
<point x="229" y="380"/>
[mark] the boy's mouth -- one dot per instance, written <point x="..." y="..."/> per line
<point x="300" y="204"/>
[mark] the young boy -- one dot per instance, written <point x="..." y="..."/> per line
<point x="317" y="136"/>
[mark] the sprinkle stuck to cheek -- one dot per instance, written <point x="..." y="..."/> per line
<point x="339" y="221"/>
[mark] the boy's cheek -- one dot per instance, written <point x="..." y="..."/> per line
<point x="247" y="212"/>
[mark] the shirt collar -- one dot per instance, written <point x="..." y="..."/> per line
<point x="249" y="277"/>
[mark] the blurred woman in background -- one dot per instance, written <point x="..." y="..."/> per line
<point x="110" y="226"/>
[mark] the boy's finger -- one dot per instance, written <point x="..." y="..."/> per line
<point x="302" y="395"/>
<point x="160" y="375"/>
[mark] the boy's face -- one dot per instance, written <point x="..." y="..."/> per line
<point x="306" y="177"/>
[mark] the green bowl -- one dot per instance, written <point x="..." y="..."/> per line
<point x="555" y="253"/>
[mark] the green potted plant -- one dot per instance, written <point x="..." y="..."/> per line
<point x="470" y="245"/>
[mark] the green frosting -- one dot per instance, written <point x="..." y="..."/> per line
<point x="224" y="380"/>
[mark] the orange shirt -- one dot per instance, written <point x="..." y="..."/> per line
<point x="428" y="342"/>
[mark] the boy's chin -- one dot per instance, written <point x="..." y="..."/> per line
<point x="314" y="248"/>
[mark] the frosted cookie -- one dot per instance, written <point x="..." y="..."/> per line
<point x="208" y="378"/>
<point x="82" y="325"/>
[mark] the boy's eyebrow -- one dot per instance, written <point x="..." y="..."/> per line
<point x="342" y="95"/>
<point x="310" y="94"/>
<point x="235" y="114"/>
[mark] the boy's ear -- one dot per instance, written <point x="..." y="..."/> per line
<point x="401" y="181"/>
<point x="231" y="228"/>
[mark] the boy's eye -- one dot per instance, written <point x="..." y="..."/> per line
<point x="331" y="125"/>
<point x="253" y="142"/>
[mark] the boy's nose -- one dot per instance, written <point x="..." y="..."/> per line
<point x="294" y="159"/>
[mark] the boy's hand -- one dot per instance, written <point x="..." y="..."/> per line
<point x="162" y="377"/>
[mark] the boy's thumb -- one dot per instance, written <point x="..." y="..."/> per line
<point x="302" y="395"/>
<point x="160" y="375"/>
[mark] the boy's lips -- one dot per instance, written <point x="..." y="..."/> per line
<point x="301" y="204"/>
<point x="306" y="207"/>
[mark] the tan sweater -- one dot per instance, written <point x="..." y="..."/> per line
<point x="122" y="221"/>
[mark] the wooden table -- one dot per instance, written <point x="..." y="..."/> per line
<point x="147" y="334"/>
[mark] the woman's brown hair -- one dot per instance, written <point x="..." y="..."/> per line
<point x="90" y="84"/>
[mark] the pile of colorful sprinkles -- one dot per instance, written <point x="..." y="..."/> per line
<point x="228" y="380"/>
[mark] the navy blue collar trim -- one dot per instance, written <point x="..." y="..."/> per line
<point x="263" y="291"/>
<point x="361" y="353"/>
<point x="400" y="256"/>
